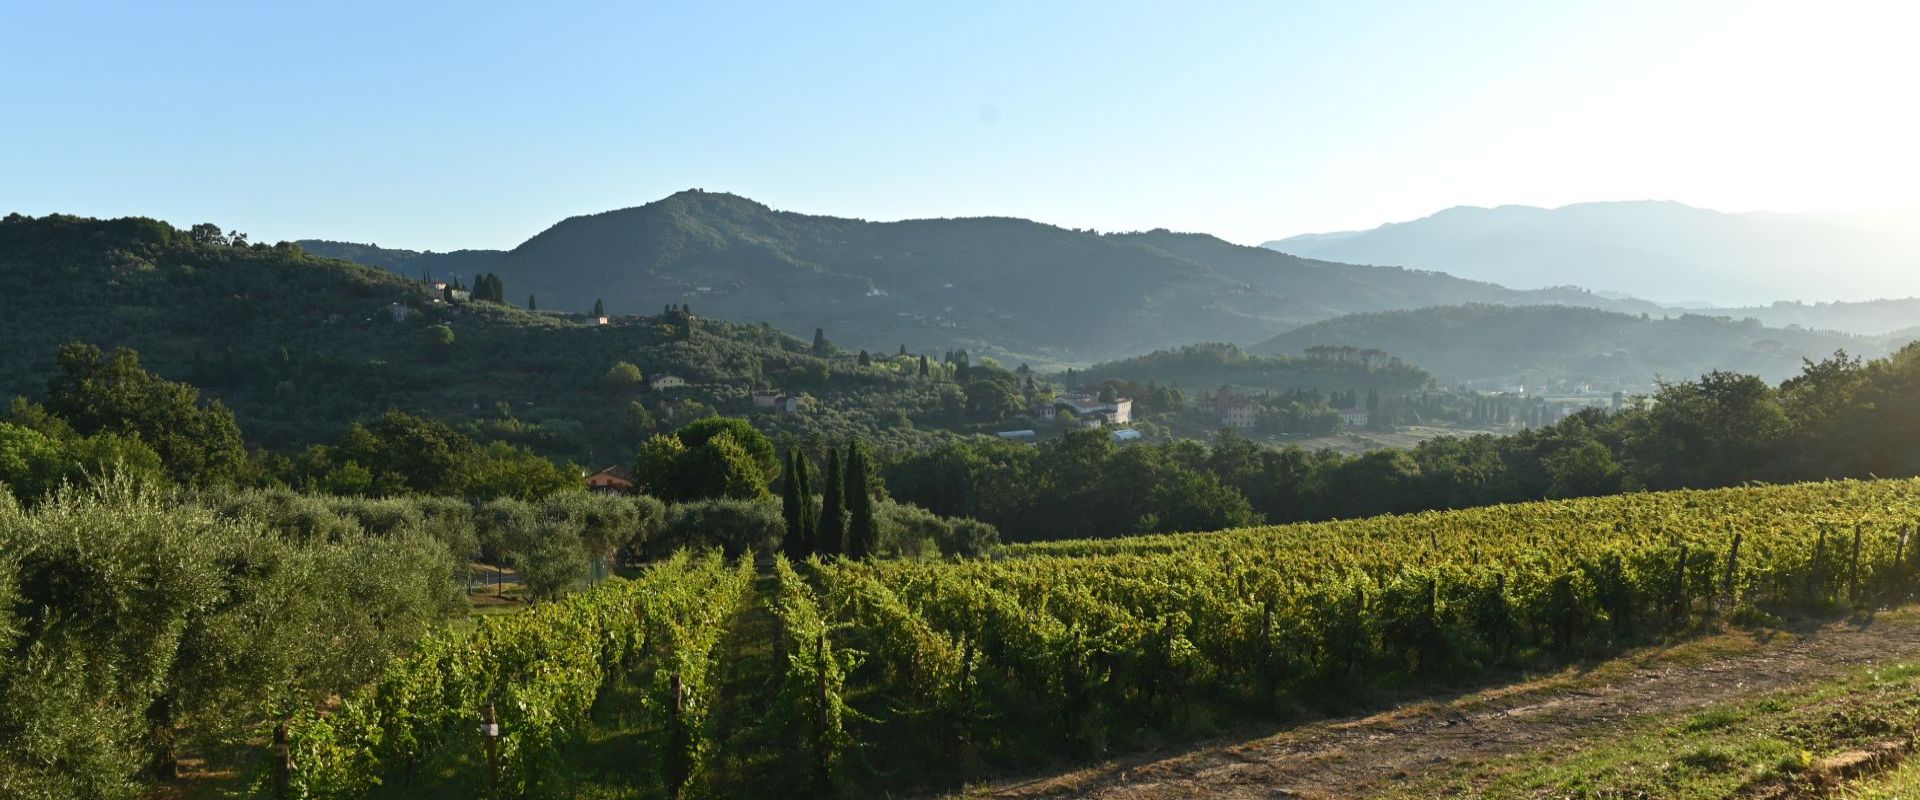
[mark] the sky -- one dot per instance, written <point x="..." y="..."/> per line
<point x="476" y="125"/>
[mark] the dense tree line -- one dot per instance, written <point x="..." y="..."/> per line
<point x="1841" y="417"/>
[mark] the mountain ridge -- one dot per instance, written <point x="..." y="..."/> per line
<point x="999" y="285"/>
<point x="1657" y="249"/>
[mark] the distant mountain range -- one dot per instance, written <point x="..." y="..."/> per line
<point x="1548" y="345"/>
<point x="1662" y="251"/>
<point x="1013" y="288"/>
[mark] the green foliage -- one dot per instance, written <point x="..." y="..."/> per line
<point x="143" y="630"/>
<point x="733" y="526"/>
<point x="830" y="536"/>
<point x="200" y="445"/>
<point x="624" y="375"/>
<point x="863" y="533"/>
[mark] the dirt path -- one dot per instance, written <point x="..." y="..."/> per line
<point x="1360" y="756"/>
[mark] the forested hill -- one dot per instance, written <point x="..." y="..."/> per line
<point x="1532" y="345"/>
<point x="298" y="346"/>
<point x="1001" y="286"/>
<point x="1205" y="366"/>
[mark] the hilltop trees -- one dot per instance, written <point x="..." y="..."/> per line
<point x="198" y="444"/>
<point x="489" y="287"/>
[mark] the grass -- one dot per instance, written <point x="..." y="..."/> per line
<point x="1779" y="739"/>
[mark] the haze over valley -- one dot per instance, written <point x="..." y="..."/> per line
<point x="1120" y="401"/>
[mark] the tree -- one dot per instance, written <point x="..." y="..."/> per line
<point x="821" y="347"/>
<point x="1583" y="470"/>
<point x="707" y="460"/>
<point x="200" y="445"/>
<point x="865" y="360"/>
<point x="599" y="308"/>
<point x="809" y="511"/>
<point x="624" y="375"/>
<point x="531" y="305"/>
<point x="206" y="234"/>
<point x="830" y="536"/>
<point x="925" y="369"/>
<point x="755" y="443"/>
<point x="439" y="338"/>
<point x="793" y="543"/>
<point x="719" y="468"/>
<point x="1711" y="432"/>
<point x="989" y="401"/>
<point x="862" y="534"/>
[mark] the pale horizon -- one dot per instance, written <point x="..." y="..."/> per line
<point x="440" y="130"/>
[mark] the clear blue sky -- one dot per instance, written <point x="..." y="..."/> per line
<point x="440" y="126"/>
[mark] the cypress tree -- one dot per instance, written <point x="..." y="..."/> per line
<point x="830" y="538"/>
<point x="821" y="346"/>
<point x="531" y="306"/>
<point x="792" y="543"/>
<point x="865" y="360"/>
<point x="809" y="516"/>
<point x="599" y="308"/>
<point x="862" y="533"/>
<point x="924" y="370"/>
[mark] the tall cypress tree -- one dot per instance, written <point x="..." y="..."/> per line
<point x="599" y="308"/>
<point x="830" y="538"/>
<point x="793" y="543"/>
<point x="809" y="516"/>
<point x="862" y="533"/>
<point x="530" y="304"/>
<point x="923" y="365"/>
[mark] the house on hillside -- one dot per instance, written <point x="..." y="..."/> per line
<point x="612" y="480"/>
<point x="1356" y="417"/>
<point x="1126" y="435"/>
<point x="1118" y="411"/>
<point x="1234" y="410"/>
<point x="787" y="404"/>
<point x="664" y="381"/>
<point x="765" y="398"/>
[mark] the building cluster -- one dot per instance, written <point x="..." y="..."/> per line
<point x="776" y="401"/>
<point x="1089" y="409"/>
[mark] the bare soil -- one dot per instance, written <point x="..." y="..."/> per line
<point x="1381" y="753"/>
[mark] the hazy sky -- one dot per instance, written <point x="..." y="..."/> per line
<point x="476" y="125"/>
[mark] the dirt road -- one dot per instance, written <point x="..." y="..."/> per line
<point x="1361" y="756"/>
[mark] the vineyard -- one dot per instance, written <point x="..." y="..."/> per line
<point x="817" y="678"/>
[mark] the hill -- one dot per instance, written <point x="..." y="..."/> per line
<point x="298" y="345"/>
<point x="1660" y="250"/>
<point x="1205" y="366"/>
<point x="1554" y="345"/>
<point x="1008" y="287"/>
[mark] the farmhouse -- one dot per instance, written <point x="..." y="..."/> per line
<point x="1234" y="409"/>
<point x="612" y="480"/>
<point x="1118" y="411"/>
<point x="664" y="381"/>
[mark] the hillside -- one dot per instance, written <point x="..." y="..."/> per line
<point x="1538" y="345"/>
<point x="1007" y="287"/>
<point x="300" y="345"/>
<point x="1657" y="250"/>
<point x="1206" y="366"/>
